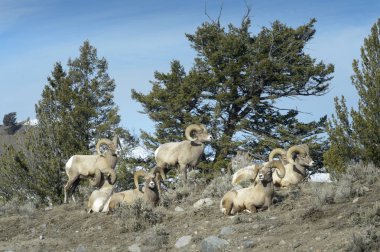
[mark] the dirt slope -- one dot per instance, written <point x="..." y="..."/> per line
<point x="297" y="222"/>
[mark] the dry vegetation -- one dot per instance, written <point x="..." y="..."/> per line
<point x="339" y="216"/>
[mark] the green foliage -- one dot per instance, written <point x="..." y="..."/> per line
<point x="233" y="88"/>
<point x="76" y="109"/>
<point x="356" y="135"/>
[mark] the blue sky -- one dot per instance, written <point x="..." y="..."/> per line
<point x="140" y="37"/>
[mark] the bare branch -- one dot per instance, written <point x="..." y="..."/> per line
<point x="217" y="21"/>
<point x="246" y="15"/>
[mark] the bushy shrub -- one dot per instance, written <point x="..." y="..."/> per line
<point x="217" y="187"/>
<point x="138" y="216"/>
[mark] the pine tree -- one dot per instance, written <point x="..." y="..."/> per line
<point x="76" y="109"/>
<point x="356" y="135"/>
<point x="234" y="86"/>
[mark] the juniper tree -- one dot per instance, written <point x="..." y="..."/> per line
<point x="355" y="135"/>
<point x="234" y="87"/>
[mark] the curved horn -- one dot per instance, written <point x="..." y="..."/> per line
<point x="116" y="141"/>
<point x="136" y="177"/>
<point x="203" y="127"/>
<point x="255" y="171"/>
<point x="275" y="152"/>
<point x="297" y="149"/>
<point x="189" y="129"/>
<point x="106" y="141"/>
<point x="305" y="147"/>
<point x="279" y="166"/>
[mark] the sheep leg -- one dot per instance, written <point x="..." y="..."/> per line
<point x="74" y="186"/>
<point x="251" y="208"/>
<point x="182" y="168"/>
<point x="68" y="187"/>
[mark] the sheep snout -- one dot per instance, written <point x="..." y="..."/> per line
<point x="152" y="184"/>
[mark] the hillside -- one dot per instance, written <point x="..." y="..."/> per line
<point x="339" y="216"/>
<point x="11" y="139"/>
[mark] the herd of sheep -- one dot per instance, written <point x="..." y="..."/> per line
<point x="289" y="170"/>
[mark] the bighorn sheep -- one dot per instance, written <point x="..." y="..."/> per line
<point x="185" y="153"/>
<point x="256" y="196"/>
<point x="246" y="173"/>
<point x="98" y="198"/>
<point x="92" y="166"/>
<point x="295" y="171"/>
<point x="149" y="193"/>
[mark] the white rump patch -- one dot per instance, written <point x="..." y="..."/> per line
<point x="156" y="151"/>
<point x="98" y="205"/>
<point x="70" y="162"/>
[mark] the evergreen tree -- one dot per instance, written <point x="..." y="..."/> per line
<point x="358" y="137"/>
<point x="10" y="122"/>
<point x="76" y="109"/>
<point x="234" y="87"/>
<point x="9" y="119"/>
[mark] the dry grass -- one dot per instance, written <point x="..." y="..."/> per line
<point x="358" y="180"/>
<point x="138" y="216"/>
<point x="15" y="206"/>
<point x="369" y="241"/>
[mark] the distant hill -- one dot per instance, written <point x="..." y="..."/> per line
<point x="12" y="139"/>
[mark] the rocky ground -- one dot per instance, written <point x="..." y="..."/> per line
<point x="309" y="217"/>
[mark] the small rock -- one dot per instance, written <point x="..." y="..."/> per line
<point x="255" y="226"/>
<point x="42" y="237"/>
<point x="203" y="203"/>
<point x="366" y="189"/>
<point x="179" y="209"/>
<point x="134" y="248"/>
<point x="318" y="238"/>
<point x="355" y="200"/>
<point x="213" y="244"/>
<point x="282" y="243"/>
<point x="99" y="227"/>
<point x="48" y="208"/>
<point x="227" y="231"/>
<point x="80" y="248"/>
<point x="183" y="241"/>
<point x="248" y="244"/>
<point x="297" y="244"/>
<point x="273" y="218"/>
<point x="236" y="219"/>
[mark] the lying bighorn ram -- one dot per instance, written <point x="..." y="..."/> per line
<point x="184" y="154"/>
<point x="92" y="166"/>
<point x="256" y="196"/>
<point x="98" y="198"/>
<point x="295" y="171"/>
<point x="149" y="193"/>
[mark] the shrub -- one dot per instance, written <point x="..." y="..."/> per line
<point x="138" y="216"/>
<point x="217" y="187"/>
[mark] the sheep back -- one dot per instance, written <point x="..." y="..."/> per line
<point x="185" y="152"/>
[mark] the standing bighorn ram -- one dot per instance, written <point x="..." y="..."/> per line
<point x="92" y="166"/>
<point x="184" y="154"/>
